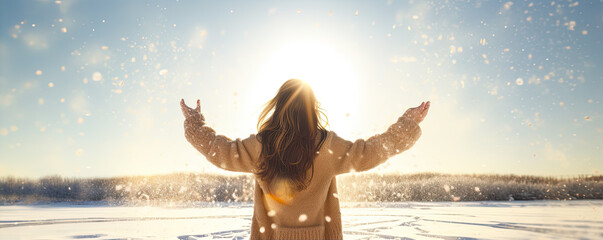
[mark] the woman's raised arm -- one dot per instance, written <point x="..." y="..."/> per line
<point x="233" y="155"/>
<point x="363" y="155"/>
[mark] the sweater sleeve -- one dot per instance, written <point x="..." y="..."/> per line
<point x="363" y="155"/>
<point x="232" y="155"/>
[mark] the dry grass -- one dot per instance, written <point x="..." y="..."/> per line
<point x="186" y="188"/>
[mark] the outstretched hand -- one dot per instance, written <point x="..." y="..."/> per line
<point x="417" y="114"/>
<point x="190" y="112"/>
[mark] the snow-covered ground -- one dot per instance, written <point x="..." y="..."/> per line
<point x="414" y="220"/>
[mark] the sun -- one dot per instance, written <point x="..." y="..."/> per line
<point x="327" y="71"/>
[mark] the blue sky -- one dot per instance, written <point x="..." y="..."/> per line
<point x="91" y="88"/>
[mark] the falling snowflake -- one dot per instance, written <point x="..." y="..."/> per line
<point x="96" y="76"/>
<point x="271" y="213"/>
<point x="519" y="81"/>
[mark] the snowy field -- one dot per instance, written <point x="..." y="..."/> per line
<point x="414" y="220"/>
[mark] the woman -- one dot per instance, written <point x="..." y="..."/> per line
<point x="295" y="161"/>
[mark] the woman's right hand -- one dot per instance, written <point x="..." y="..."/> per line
<point x="189" y="112"/>
<point x="417" y="114"/>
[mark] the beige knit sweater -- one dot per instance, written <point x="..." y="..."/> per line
<point x="314" y="212"/>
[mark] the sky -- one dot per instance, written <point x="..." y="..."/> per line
<point x="92" y="88"/>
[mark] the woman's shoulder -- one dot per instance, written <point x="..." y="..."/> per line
<point x="322" y="137"/>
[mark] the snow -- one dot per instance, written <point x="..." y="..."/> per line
<point x="403" y="220"/>
<point x="96" y="76"/>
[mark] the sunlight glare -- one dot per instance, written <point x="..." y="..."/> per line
<point x="327" y="71"/>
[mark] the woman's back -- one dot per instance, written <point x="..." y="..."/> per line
<point x="288" y="207"/>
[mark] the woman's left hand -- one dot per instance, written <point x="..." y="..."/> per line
<point x="189" y="112"/>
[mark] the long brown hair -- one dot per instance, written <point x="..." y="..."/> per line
<point x="287" y="128"/>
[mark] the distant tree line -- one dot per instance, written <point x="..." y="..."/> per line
<point x="446" y="187"/>
<point x="178" y="187"/>
<point x="191" y="187"/>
